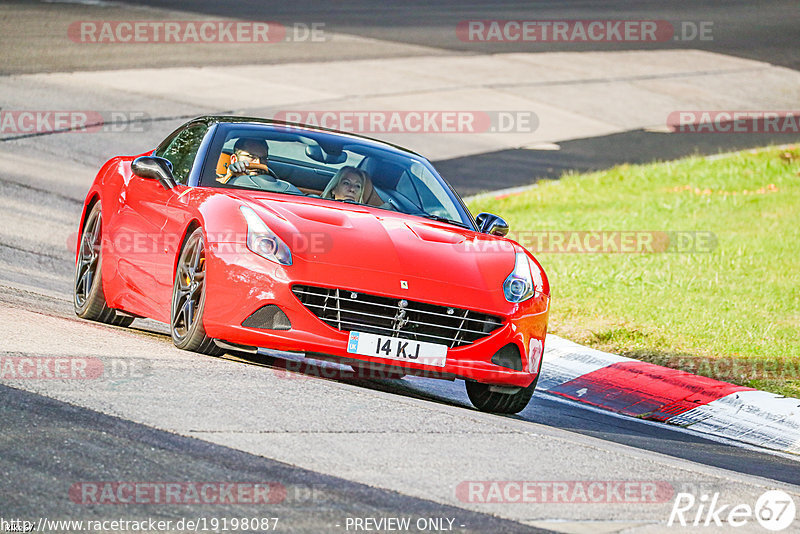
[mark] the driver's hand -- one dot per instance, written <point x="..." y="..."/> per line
<point x="239" y="167"/>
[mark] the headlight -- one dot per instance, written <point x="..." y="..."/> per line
<point x="263" y="241"/>
<point x="520" y="284"/>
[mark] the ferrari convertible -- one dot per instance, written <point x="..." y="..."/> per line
<point x="235" y="233"/>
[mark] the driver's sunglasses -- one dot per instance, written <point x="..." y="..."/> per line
<point x="244" y="154"/>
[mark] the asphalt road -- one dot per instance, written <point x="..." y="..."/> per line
<point x="33" y="35"/>
<point x="468" y="174"/>
<point x="391" y="448"/>
<point x="763" y="30"/>
<point x="337" y="448"/>
<point x="350" y="436"/>
<point x="64" y="445"/>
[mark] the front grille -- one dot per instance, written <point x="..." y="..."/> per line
<point x="350" y="310"/>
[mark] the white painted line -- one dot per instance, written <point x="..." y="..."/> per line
<point x="758" y="417"/>
<point x="684" y="430"/>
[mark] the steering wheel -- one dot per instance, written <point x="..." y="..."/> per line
<point x="262" y="167"/>
<point x="267" y="182"/>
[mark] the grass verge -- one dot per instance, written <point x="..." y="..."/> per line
<point x="698" y="265"/>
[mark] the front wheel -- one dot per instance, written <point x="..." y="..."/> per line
<point x="87" y="291"/>
<point x="189" y="298"/>
<point x="486" y="400"/>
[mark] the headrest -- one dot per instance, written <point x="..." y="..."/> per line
<point x="371" y="196"/>
<point x="385" y="173"/>
<point x="222" y="164"/>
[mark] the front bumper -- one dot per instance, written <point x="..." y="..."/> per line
<point x="238" y="283"/>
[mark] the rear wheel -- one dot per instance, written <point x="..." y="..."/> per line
<point x="486" y="400"/>
<point x="189" y="298"/>
<point x="88" y="298"/>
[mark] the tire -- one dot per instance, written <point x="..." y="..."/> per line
<point x="87" y="289"/>
<point x="189" y="298"/>
<point x="494" y="402"/>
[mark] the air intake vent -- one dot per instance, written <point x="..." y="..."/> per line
<point x="350" y="310"/>
<point x="269" y="317"/>
<point x="509" y="357"/>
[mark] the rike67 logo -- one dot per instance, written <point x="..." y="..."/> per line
<point x="774" y="510"/>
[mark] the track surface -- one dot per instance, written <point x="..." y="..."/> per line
<point x="303" y="501"/>
<point x="766" y="31"/>
<point x="387" y="448"/>
<point x="353" y="430"/>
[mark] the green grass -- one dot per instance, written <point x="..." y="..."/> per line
<point x="732" y="313"/>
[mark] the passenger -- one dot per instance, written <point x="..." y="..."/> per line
<point x="347" y="184"/>
<point x="246" y="151"/>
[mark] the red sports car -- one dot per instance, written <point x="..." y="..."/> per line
<point x="246" y="233"/>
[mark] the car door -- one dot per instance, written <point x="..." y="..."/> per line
<point x="153" y="220"/>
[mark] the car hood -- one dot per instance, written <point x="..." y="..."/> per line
<point x="375" y="240"/>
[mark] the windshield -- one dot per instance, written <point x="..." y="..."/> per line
<point x="335" y="168"/>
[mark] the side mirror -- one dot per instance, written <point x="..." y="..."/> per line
<point x="154" y="168"/>
<point x="489" y="223"/>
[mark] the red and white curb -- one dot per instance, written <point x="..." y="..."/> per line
<point x="651" y="392"/>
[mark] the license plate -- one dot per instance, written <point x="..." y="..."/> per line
<point x="395" y="348"/>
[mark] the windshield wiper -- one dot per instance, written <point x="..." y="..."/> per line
<point x="439" y="218"/>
